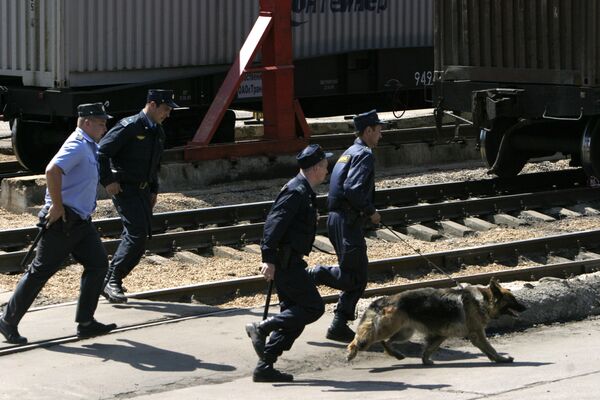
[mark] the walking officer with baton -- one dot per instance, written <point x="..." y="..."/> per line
<point x="289" y="233"/>
<point x="351" y="204"/>
<point x="66" y="228"/>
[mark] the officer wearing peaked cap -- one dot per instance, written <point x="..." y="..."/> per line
<point x="289" y="233"/>
<point x="65" y="220"/>
<point x="351" y="203"/>
<point x="129" y="158"/>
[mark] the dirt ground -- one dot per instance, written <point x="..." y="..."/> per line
<point x="150" y="274"/>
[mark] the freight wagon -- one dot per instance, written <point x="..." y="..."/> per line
<point x="350" y="55"/>
<point x="528" y="71"/>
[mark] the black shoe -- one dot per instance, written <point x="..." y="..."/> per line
<point x="113" y="292"/>
<point x="258" y="339"/>
<point x="340" y="331"/>
<point x="270" y="374"/>
<point x="95" y="328"/>
<point x="11" y="333"/>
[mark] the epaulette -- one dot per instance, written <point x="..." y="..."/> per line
<point x="127" y="121"/>
<point x="79" y="137"/>
<point x="300" y="189"/>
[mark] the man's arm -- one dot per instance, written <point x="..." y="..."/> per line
<point x="357" y="187"/>
<point x="277" y="224"/>
<point x="108" y="147"/>
<point x="54" y="183"/>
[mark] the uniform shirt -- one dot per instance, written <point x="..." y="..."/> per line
<point x="78" y="160"/>
<point x="352" y="180"/>
<point x="292" y="220"/>
<point x="132" y="148"/>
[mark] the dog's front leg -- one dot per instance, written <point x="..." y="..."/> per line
<point x="480" y="341"/>
<point x="432" y="343"/>
<point x="388" y="347"/>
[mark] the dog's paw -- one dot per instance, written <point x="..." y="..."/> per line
<point x="350" y="356"/>
<point x="504" y="360"/>
<point x="427" y="361"/>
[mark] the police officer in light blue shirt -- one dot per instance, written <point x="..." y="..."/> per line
<point x="65" y="220"/>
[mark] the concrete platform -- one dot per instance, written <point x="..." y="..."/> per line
<point x="211" y="357"/>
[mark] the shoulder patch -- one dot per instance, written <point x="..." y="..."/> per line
<point x="79" y="137"/>
<point x="127" y="121"/>
<point x="300" y="189"/>
<point x="345" y="158"/>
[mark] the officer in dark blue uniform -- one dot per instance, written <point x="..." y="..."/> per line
<point x="288" y="235"/>
<point x="350" y="201"/>
<point x="65" y="220"/>
<point x="129" y="158"/>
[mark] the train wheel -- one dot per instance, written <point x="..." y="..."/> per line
<point x="590" y="147"/>
<point x="34" y="144"/>
<point x="489" y="140"/>
<point x="496" y="150"/>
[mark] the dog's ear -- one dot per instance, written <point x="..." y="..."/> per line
<point x="495" y="287"/>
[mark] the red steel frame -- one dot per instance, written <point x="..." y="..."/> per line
<point x="285" y="128"/>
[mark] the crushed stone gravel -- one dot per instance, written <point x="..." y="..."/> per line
<point x="148" y="275"/>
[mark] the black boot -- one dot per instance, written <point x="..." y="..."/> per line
<point x="339" y="330"/>
<point x="11" y="333"/>
<point x="266" y="373"/>
<point x="113" y="291"/>
<point x="258" y="338"/>
<point x="93" y="328"/>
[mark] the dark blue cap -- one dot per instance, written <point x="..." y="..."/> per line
<point x="160" y="96"/>
<point x="370" y="118"/>
<point x="311" y="155"/>
<point x="93" y="110"/>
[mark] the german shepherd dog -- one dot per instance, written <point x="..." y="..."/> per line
<point x="438" y="314"/>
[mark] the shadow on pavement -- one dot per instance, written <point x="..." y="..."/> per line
<point x="477" y="364"/>
<point x="142" y="356"/>
<point x="359" y="386"/>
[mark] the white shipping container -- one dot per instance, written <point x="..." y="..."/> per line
<point x="74" y="43"/>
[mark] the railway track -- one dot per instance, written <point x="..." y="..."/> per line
<point x="393" y="137"/>
<point x="458" y="201"/>
<point x="12" y="169"/>
<point x="558" y="256"/>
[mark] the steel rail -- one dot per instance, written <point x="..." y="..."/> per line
<point x="392" y="137"/>
<point x="14" y="239"/>
<point x="252" y="233"/>
<point x="415" y="265"/>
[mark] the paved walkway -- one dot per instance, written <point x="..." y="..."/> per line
<point x="211" y="357"/>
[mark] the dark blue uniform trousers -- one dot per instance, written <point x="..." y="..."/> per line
<point x="300" y="303"/>
<point x="78" y="238"/>
<point x="351" y="276"/>
<point x="133" y="205"/>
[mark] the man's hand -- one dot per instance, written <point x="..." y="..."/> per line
<point x="54" y="213"/>
<point x="153" y="198"/>
<point x="268" y="271"/>
<point x="375" y="218"/>
<point x="113" y="188"/>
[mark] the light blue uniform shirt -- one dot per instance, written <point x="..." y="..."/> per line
<point x="78" y="159"/>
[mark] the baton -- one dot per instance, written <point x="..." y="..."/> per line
<point x="33" y="245"/>
<point x="268" y="302"/>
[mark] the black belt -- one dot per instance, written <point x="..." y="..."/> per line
<point x="139" y="185"/>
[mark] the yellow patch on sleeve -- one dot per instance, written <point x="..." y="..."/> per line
<point x="141" y="137"/>
<point x="344" y="158"/>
